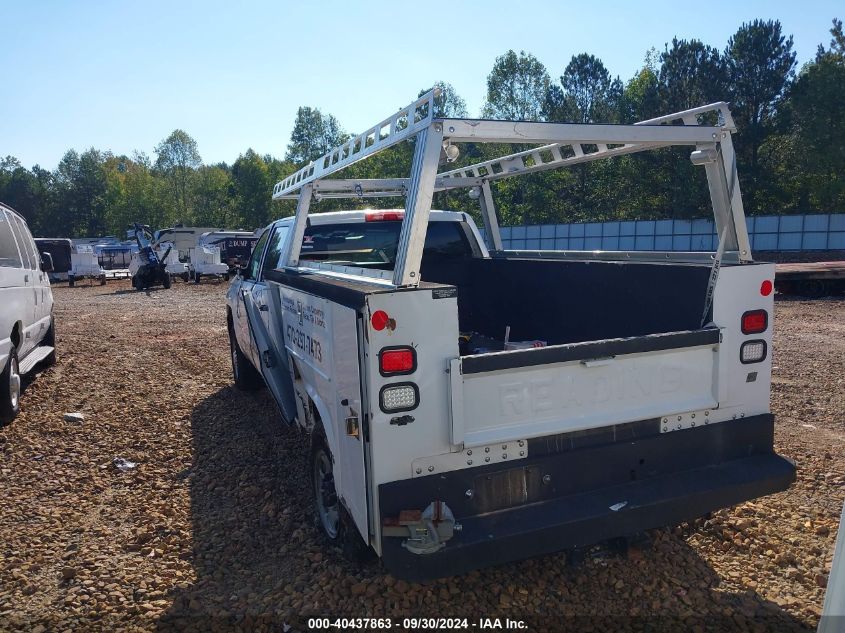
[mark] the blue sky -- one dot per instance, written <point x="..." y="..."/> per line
<point x="122" y="75"/>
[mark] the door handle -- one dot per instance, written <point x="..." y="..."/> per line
<point x="26" y="279"/>
<point x="263" y="308"/>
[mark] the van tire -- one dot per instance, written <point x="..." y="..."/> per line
<point x="71" y="281"/>
<point x="197" y="278"/>
<point x="10" y="393"/>
<point x="166" y="281"/>
<point x="341" y="531"/>
<point x="245" y="376"/>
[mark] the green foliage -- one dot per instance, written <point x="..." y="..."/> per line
<point x="516" y="87"/>
<point x="178" y="157"/>
<point x="314" y="134"/>
<point x="449" y="105"/>
<point x="760" y="65"/>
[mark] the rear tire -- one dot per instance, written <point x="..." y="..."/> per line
<point x="197" y="278"/>
<point x="71" y="281"/>
<point x="102" y="280"/>
<point x="166" y="281"/>
<point x="332" y="518"/>
<point x="10" y="389"/>
<point x="245" y="376"/>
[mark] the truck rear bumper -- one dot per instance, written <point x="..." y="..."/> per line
<point x="570" y="497"/>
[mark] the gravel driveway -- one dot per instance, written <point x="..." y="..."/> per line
<point x="212" y="528"/>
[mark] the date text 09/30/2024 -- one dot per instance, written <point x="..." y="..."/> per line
<point x="432" y="624"/>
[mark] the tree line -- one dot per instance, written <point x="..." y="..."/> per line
<point x="790" y="147"/>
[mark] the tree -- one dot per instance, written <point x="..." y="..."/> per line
<point x="81" y="188"/>
<point x="837" y="42"/>
<point x="449" y="104"/>
<point x="252" y="188"/>
<point x="177" y="159"/>
<point x="641" y="96"/>
<point x="313" y="135"/>
<point x="760" y="65"/>
<point x="516" y="88"/>
<point x="588" y="93"/>
<point x="816" y="116"/>
<point x="691" y="74"/>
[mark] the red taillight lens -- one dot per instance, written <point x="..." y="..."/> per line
<point x="397" y="360"/>
<point x="383" y="216"/>
<point x="379" y="320"/>
<point x="755" y="321"/>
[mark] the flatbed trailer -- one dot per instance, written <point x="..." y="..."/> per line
<point x="811" y="279"/>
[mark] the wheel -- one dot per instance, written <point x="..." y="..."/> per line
<point x="334" y="521"/>
<point x="50" y="339"/>
<point x="246" y="376"/>
<point x="166" y="281"/>
<point x="197" y="278"/>
<point x="71" y="281"/>
<point x="102" y="280"/>
<point x="10" y="389"/>
<point x="186" y="277"/>
<point x="226" y="277"/>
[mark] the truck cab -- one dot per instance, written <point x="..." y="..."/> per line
<point x="470" y="405"/>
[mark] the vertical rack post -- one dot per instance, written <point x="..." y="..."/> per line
<point x="488" y="215"/>
<point x="418" y="205"/>
<point x="291" y="258"/>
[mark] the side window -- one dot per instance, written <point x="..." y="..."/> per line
<point x="9" y="254"/>
<point x="20" y="237"/>
<point x="34" y="256"/>
<point x="446" y="240"/>
<point x="255" y="260"/>
<point x="274" y="251"/>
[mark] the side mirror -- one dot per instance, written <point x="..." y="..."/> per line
<point x="47" y="262"/>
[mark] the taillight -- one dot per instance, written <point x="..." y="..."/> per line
<point x="752" y="352"/>
<point x="755" y="321"/>
<point x="395" y="361"/>
<point x="399" y="397"/>
<point x="383" y="216"/>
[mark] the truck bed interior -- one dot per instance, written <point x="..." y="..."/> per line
<point x="563" y="302"/>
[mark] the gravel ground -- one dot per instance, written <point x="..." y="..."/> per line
<point x="213" y="529"/>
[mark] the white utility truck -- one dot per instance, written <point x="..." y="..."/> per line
<point x="468" y="405"/>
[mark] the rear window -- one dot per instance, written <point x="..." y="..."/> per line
<point x="374" y="244"/>
<point x="9" y="255"/>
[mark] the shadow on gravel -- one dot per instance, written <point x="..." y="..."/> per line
<point x="261" y="563"/>
<point x="133" y="291"/>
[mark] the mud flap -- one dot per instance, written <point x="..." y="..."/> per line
<point x="272" y="364"/>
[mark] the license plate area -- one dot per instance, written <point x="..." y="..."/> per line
<point x="507" y="489"/>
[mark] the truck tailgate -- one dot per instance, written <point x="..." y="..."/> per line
<point x="521" y="394"/>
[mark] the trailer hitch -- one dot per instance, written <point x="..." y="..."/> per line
<point x="425" y="531"/>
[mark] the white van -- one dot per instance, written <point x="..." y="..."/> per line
<point x="27" y="331"/>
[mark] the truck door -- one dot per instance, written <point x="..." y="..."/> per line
<point x="265" y="323"/>
<point x="253" y="270"/>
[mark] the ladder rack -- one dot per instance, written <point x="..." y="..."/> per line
<point x="406" y="123"/>
<point x="558" y="145"/>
